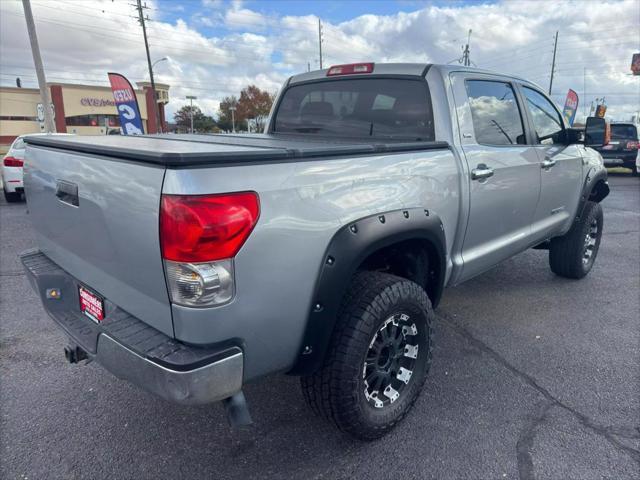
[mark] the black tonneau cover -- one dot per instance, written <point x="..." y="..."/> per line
<point x="198" y="149"/>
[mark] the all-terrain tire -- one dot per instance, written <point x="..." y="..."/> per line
<point x="338" y="390"/>
<point x="569" y="254"/>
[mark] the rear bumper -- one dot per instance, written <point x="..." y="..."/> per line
<point x="619" y="158"/>
<point x="12" y="179"/>
<point x="132" y="350"/>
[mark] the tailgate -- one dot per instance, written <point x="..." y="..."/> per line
<point x="110" y="240"/>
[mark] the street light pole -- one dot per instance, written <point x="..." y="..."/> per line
<point x="233" y="119"/>
<point x="191" y="98"/>
<point x="158" y="61"/>
<point x="153" y="87"/>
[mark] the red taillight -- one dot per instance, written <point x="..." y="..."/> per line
<point x="633" y="145"/>
<point x="350" y="69"/>
<point x="12" y="162"/>
<point x="204" y="228"/>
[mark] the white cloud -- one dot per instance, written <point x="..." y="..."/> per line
<point x="81" y="42"/>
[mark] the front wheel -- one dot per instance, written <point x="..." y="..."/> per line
<point x="573" y="254"/>
<point x="378" y="358"/>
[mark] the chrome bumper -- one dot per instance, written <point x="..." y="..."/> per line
<point x="206" y="384"/>
<point x="131" y="349"/>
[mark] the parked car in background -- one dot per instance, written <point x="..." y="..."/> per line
<point x="623" y="149"/>
<point x="11" y="171"/>
<point x="12" y="168"/>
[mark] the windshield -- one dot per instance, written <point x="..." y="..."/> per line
<point x="623" y="132"/>
<point x="363" y="108"/>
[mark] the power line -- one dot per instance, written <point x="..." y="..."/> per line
<point x="505" y="58"/>
<point x="104" y="83"/>
<point x="120" y="32"/>
<point x="77" y="26"/>
<point x="167" y="27"/>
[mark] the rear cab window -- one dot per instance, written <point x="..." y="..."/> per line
<point x="620" y="131"/>
<point x="495" y="114"/>
<point x="379" y="108"/>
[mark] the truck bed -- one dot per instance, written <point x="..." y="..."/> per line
<point x="188" y="150"/>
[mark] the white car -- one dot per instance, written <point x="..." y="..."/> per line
<point x="11" y="169"/>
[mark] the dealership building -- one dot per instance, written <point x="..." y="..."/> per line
<point x="78" y="109"/>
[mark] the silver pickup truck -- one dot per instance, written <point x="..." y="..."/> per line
<point x="193" y="264"/>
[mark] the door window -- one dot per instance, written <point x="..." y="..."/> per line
<point x="495" y="113"/>
<point x="547" y="122"/>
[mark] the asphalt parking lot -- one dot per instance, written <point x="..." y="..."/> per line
<point x="534" y="376"/>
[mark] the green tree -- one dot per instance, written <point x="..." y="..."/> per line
<point x="201" y="123"/>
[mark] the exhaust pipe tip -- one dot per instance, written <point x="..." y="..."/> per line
<point x="74" y="354"/>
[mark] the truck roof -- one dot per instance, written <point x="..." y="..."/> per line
<point x="408" y="69"/>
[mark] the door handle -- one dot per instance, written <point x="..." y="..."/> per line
<point x="548" y="163"/>
<point x="481" y="171"/>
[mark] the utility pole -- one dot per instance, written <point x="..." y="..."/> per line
<point x="45" y="96"/>
<point x="191" y="98"/>
<point x="465" y="54"/>
<point x="553" y="62"/>
<point x="141" y="19"/>
<point x="320" y="40"/>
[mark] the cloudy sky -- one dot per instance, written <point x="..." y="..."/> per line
<point x="216" y="47"/>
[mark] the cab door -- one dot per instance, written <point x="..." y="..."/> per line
<point x="560" y="165"/>
<point x="503" y="172"/>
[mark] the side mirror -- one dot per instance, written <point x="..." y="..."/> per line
<point x="574" y="135"/>
<point x="597" y="132"/>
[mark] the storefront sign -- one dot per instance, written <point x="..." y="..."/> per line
<point x="570" y="107"/>
<point x="97" y="102"/>
<point x="126" y="104"/>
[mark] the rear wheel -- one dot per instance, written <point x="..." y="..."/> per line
<point x="573" y="254"/>
<point x="11" y="197"/>
<point x="378" y="358"/>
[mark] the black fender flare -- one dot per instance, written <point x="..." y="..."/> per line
<point x="346" y="251"/>
<point x="595" y="188"/>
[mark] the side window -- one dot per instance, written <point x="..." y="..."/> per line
<point x="495" y="113"/>
<point x="547" y="122"/>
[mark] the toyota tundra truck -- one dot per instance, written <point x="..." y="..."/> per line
<point x="191" y="265"/>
